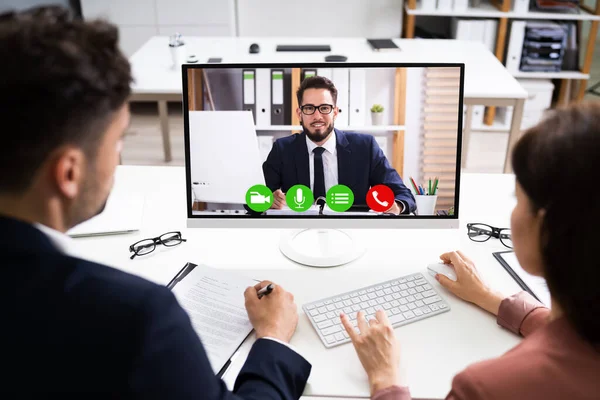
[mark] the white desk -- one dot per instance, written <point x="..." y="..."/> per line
<point x="487" y="82"/>
<point x="433" y="350"/>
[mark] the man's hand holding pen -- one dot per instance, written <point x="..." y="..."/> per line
<point x="272" y="313"/>
<point x="278" y="200"/>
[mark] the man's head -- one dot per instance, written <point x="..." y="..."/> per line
<point x="317" y="110"/>
<point x="63" y="107"/>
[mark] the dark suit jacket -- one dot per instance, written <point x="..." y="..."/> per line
<point x="361" y="165"/>
<point x="70" y="325"/>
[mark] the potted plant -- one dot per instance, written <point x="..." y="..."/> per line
<point x="377" y="114"/>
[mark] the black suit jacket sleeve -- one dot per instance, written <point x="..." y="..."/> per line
<point x="383" y="173"/>
<point x="172" y="363"/>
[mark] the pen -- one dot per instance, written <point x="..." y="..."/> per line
<point x="414" y="185"/>
<point x="265" y="291"/>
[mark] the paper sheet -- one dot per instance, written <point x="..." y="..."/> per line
<point x="214" y="300"/>
<point x="537" y="284"/>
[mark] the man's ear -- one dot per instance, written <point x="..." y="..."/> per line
<point x="68" y="171"/>
<point x="541" y="213"/>
<point x="299" y="113"/>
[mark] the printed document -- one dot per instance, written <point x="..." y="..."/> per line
<point x="214" y="300"/>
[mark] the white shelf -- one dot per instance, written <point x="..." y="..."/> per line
<point x="495" y="127"/>
<point x="582" y="16"/>
<point x="364" y="128"/>
<point x="279" y="128"/>
<point x="551" y="75"/>
<point x="487" y="10"/>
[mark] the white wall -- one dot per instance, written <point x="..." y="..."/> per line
<point x="380" y="90"/>
<point x="138" y="20"/>
<point x="412" y="135"/>
<point x="334" y="18"/>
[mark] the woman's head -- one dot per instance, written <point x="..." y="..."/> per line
<point x="556" y="223"/>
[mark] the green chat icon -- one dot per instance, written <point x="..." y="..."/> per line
<point x="259" y="198"/>
<point x="340" y="198"/>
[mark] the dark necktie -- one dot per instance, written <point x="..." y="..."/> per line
<point x="319" y="184"/>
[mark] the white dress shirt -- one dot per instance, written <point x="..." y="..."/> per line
<point x="62" y="242"/>
<point x="330" y="162"/>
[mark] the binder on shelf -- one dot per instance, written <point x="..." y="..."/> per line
<point x="428" y="5"/>
<point x="357" y="97"/>
<point x="477" y="31"/>
<point x="444" y="5"/>
<point x="307" y="73"/>
<point x="460" y="29"/>
<point x="325" y="72"/>
<point x="515" y="46"/>
<point x="249" y="91"/>
<point x="477" y="117"/>
<point x="265" y="144"/>
<point x="263" y="97"/>
<point x="521" y="6"/>
<point x="340" y="78"/>
<point x="277" y="101"/>
<point x="489" y="35"/>
<point x="461" y="5"/>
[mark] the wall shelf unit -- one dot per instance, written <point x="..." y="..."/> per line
<point x="576" y="81"/>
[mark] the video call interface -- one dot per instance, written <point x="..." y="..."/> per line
<point x="326" y="141"/>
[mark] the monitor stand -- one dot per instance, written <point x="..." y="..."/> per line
<point x="320" y="247"/>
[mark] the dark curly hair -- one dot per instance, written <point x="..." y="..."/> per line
<point x="554" y="161"/>
<point x="61" y="80"/>
<point x="316" y="82"/>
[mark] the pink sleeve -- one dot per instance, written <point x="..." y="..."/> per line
<point x="392" y="393"/>
<point x="465" y="387"/>
<point x="522" y="313"/>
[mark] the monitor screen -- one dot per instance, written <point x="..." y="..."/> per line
<point x="334" y="142"/>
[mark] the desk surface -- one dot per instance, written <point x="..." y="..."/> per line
<point x="433" y="350"/>
<point x="485" y="76"/>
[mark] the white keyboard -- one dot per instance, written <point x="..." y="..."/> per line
<point x="405" y="300"/>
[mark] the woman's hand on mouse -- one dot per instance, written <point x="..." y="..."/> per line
<point x="468" y="285"/>
<point x="377" y="348"/>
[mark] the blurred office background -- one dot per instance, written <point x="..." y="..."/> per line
<point x="139" y="20"/>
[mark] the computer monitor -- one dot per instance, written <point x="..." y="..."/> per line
<point x="320" y="147"/>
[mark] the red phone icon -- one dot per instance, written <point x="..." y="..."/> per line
<point x="380" y="198"/>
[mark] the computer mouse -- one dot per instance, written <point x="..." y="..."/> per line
<point x="254" y="48"/>
<point x="444" y="269"/>
<point x="335" y="58"/>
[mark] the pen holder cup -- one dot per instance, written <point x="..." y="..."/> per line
<point x="178" y="56"/>
<point x="425" y="204"/>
